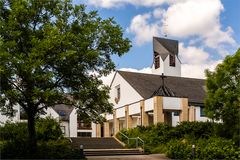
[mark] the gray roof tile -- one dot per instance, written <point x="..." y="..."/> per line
<point x="147" y="84"/>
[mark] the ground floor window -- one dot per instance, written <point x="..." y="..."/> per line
<point x="202" y="113"/>
<point x="176" y="113"/>
<point x="84" y="134"/>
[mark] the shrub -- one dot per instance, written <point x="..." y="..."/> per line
<point x="176" y="142"/>
<point x="177" y="149"/>
<point x="217" y="148"/>
<point x="14" y="132"/>
<point x="46" y="129"/>
<point x="59" y="149"/>
<point x="195" y="129"/>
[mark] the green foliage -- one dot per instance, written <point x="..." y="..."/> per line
<point x="196" y="129"/>
<point x="53" y="52"/>
<point x="223" y="90"/>
<point x="217" y="148"/>
<point x="47" y="129"/>
<point x="14" y="132"/>
<point x="176" y="142"/>
<point x="177" y="149"/>
<point x="60" y="149"/>
<point x="51" y="143"/>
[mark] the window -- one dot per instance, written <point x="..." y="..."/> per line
<point x="176" y="113"/>
<point x="117" y="94"/>
<point x="62" y="129"/>
<point x="84" y="134"/>
<point x="202" y="113"/>
<point x="156" y="60"/>
<point x="81" y="124"/>
<point x="172" y="60"/>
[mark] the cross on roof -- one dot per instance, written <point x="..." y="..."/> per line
<point x="162" y="76"/>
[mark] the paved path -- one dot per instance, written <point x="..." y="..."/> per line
<point x="130" y="157"/>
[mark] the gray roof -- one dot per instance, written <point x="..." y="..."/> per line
<point x="164" y="47"/>
<point x="63" y="110"/>
<point x="148" y="84"/>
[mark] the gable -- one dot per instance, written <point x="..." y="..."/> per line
<point x="128" y="94"/>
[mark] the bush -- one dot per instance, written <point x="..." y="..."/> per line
<point x="177" y="149"/>
<point x="46" y="129"/>
<point x="217" y="148"/>
<point x="14" y="132"/>
<point x="176" y="142"/>
<point x="196" y="129"/>
<point x="59" y="149"/>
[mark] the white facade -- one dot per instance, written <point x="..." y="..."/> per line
<point x="127" y="94"/>
<point x="166" y="69"/>
<point x="172" y="103"/>
<point x="148" y="103"/>
<point x="73" y="123"/>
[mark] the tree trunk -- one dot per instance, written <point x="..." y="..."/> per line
<point x="32" y="134"/>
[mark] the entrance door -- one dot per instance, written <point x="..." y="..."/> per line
<point x="102" y="130"/>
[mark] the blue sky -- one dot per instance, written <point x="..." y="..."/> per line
<point x="207" y="30"/>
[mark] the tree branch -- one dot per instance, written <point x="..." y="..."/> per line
<point x="16" y="87"/>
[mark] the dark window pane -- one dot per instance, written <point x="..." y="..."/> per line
<point x="202" y="113"/>
<point x="172" y="60"/>
<point x="84" y="134"/>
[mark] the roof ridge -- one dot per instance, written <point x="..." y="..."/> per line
<point x="159" y="75"/>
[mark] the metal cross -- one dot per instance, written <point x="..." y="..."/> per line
<point x="162" y="76"/>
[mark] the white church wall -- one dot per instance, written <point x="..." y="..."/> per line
<point x="172" y="103"/>
<point x="73" y="123"/>
<point x="134" y="108"/>
<point x="159" y="70"/>
<point x="120" y="112"/>
<point x="127" y="94"/>
<point x="50" y="113"/>
<point x="170" y="70"/>
<point x="148" y="105"/>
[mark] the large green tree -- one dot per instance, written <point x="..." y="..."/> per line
<point x="53" y="52"/>
<point x="223" y="94"/>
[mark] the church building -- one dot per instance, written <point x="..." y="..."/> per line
<point x="161" y="97"/>
<point x="139" y="99"/>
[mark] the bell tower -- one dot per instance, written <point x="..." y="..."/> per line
<point x="165" y="57"/>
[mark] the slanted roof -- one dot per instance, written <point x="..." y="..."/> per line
<point x="164" y="47"/>
<point x="63" y="110"/>
<point x="147" y="84"/>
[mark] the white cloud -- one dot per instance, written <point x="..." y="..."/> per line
<point x="197" y="70"/>
<point x="185" y="19"/>
<point x="120" y="3"/>
<point x="146" y="70"/>
<point x="198" y="18"/>
<point x="143" y="29"/>
<point x="192" y="55"/>
<point x="195" y="61"/>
